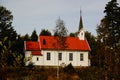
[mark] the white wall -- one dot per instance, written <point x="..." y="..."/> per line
<point x="39" y="61"/>
<point x="27" y="53"/>
<point x="65" y="58"/>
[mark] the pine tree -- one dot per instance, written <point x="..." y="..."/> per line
<point x="34" y="36"/>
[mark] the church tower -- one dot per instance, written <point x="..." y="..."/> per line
<point x="81" y="32"/>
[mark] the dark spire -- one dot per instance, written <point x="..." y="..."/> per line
<point x="81" y="22"/>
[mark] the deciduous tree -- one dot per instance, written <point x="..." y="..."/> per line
<point x="60" y="32"/>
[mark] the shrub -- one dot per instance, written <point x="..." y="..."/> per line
<point x="69" y="69"/>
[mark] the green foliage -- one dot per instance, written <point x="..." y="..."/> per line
<point x="72" y="35"/>
<point x="18" y="59"/>
<point x="26" y="37"/>
<point x="28" y="61"/>
<point x="109" y="32"/>
<point x="6" y="29"/>
<point x="5" y="53"/>
<point x="93" y="45"/>
<point x="45" y="32"/>
<point x="92" y="41"/>
<point x="7" y="56"/>
<point x="34" y="36"/>
<point x="112" y="23"/>
<point x="108" y="38"/>
<point x="10" y="42"/>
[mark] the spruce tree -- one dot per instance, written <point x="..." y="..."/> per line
<point x="112" y="17"/>
<point x="108" y="39"/>
<point x="34" y="36"/>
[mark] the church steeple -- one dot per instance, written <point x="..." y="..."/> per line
<point x="81" y="22"/>
<point x="81" y="32"/>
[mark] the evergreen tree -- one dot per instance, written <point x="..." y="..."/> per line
<point x="93" y="45"/>
<point x="34" y="36"/>
<point x="6" y="29"/>
<point x="112" y="18"/>
<point x="10" y="48"/>
<point x="45" y="33"/>
<point x="26" y="37"/>
<point x="72" y="34"/>
<point x="108" y="39"/>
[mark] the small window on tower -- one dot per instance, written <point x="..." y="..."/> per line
<point x="81" y="33"/>
<point x="44" y="42"/>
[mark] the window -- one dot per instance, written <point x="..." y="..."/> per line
<point x="44" y="42"/>
<point x="48" y="56"/>
<point x="81" y="57"/>
<point x="59" y="56"/>
<point x="37" y="58"/>
<point x="81" y="33"/>
<point x="70" y="56"/>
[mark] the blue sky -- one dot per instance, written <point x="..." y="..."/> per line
<point x="42" y="14"/>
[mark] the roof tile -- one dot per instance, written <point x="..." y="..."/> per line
<point x="32" y="46"/>
<point x="50" y="42"/>
<point x="73" y="43"/>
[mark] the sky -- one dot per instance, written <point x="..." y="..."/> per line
<point x="36" y="15"/>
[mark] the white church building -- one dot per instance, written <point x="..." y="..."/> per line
<point x="44" y="52"/>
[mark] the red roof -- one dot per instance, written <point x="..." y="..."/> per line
<point x="32" y="46"/>
<point x="50" y="43"/>
<point x="36" y="53"/>
<point x="73" y="43"/>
